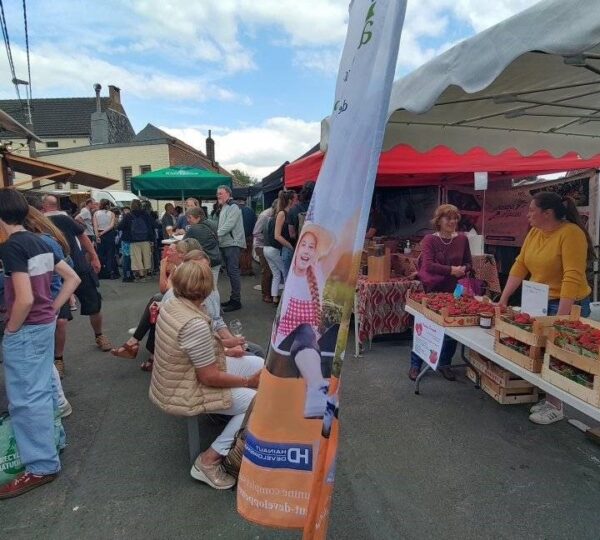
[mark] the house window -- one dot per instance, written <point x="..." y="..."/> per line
<point x="60" y="185"/>
<point x="74" y="185"/>
<point x="52" y="144"/>
<point x="126" y="174"/>
<point x="36" y="184"/>
<point x="145" y="168"/>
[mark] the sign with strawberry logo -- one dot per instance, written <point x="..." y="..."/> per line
<point x="428" y="338"/>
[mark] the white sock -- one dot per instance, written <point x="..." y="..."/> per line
<point x="308" y="362"/>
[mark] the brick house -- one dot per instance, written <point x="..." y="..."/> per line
<point x="95" y="135"/>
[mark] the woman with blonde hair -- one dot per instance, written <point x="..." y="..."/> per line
<point x="191" y="373"/>
<point x="300" y="330"/>
<point x="445" y="258"/>
<point x="131" y="347"/>
<point x="38" y="223"/>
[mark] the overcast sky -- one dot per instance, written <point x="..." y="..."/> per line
<point x="259" y="73"/>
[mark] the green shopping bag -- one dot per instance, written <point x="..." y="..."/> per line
<point x="10" y="460"/>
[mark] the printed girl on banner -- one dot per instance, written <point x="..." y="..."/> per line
<point x="302" y="343"/>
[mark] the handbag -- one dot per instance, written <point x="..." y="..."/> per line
<point x="233" y="460"/>
<point x="472" y="286"/>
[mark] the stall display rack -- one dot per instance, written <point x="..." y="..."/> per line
<point x="482" y="341"/>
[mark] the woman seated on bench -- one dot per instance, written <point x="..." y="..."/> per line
<point x="191" y="373"/>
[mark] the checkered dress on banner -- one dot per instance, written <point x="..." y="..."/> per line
<point x="298" y="312"/>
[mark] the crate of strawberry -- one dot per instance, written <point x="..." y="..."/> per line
<point x="577" y="337"/>
<point x="572" y="359"/>
<point x="447" y="310"/>
<point x="523" y="327"/>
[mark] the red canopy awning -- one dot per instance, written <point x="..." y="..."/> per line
<point x="404" y="166"/>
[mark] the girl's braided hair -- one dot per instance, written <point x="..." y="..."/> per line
<point x="313" y="287"/>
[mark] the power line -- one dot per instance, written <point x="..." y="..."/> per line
<point x="29" y="94"/>
<point x="8" y="49"/>
<point x="27" y="47"/>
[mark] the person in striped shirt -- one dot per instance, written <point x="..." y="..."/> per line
<point x="28" y="344"/>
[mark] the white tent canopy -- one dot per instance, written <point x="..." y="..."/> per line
<point x="532" y="82"/>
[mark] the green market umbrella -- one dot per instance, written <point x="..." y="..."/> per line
<point x="178" y="183"/>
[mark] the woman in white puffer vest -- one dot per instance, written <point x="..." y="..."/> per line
<point x="191" y="373"/>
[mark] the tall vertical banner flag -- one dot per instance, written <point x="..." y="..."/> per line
<point x="288" y="468"/>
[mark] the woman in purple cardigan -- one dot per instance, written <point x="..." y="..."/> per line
<point x="445" y="258"/>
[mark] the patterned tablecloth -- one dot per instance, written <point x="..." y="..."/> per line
<point x="381" y="307"/>
<point x="484" y="265"/>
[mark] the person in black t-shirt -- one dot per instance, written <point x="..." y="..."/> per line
<point x="87" y="292"/>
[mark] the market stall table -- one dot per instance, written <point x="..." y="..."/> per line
<point x="484" y="266"/>
<point x="379" y="308"/>
<point x="482" y="341"/>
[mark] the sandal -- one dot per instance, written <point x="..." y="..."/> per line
<point x="126" y="351"/>
<point x="147" y="365"/>
<point x="267" y="299"/>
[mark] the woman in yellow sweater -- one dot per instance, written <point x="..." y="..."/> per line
<point x="555" y="252"/>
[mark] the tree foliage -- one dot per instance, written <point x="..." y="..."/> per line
<point x="243" y="178"/>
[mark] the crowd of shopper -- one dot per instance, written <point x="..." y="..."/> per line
<point x="52" y="255"/>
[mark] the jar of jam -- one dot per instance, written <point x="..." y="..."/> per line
<point x="485" y="319"/>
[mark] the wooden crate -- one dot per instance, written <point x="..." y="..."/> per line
<point x="532" y="362"/>
<point x="524" y="393"/>
<point x="580" y="361"/>
<point x="589" y="395"/>
<point x="536" y="337"/>
<point x="495" y="373"/>
<point x="417" y="306"/>
<point x="443" y="319"/>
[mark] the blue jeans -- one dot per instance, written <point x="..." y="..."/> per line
<point x="287" y="255"/>
<point x="28" y="360"/>
<point x="585" y="307"/>
<point x="448" y="350"/>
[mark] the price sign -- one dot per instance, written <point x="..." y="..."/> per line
<point x="534" y="298"/>
<point x="428" y="338"/>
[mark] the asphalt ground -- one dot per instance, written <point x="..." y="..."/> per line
<point x="450" y="463"/>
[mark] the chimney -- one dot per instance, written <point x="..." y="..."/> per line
<point x="99" y="128"/>
<point x="97" y="88"/>
<point x="210" y="148"/>
<point x="114" y="99"/>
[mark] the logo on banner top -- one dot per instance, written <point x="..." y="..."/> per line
<point x="367" y="34"/>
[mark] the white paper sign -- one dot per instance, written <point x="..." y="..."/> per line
<point x="534" y="298"/>
<point x="428" y="338"/>
<point x="481" y="181"/>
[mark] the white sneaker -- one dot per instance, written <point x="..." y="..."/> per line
<point x="131" y="331"/>
<point x="65" y="409"/>
<point x="539" y="406"/>
<point x="548" y="415"/>
<point x="213" y="475"/>
<point x="257" y="287"/>
<point x="316" y="401"/>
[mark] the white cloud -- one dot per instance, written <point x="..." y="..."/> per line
<point x="71" y="74"/>
<point x="325" y="61"/>
<point x="259" y="149"/>
<point x="481" y="16"/>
